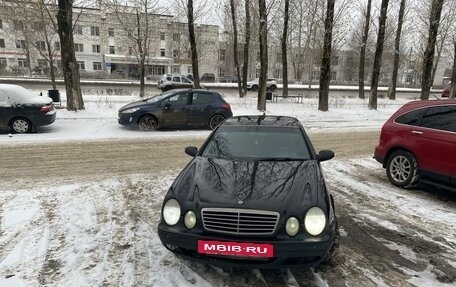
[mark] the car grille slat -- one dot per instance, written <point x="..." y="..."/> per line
<point x="240" y="221"/>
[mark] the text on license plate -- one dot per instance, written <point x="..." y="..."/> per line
<point x="235" y="248"/>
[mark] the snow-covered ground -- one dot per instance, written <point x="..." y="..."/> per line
<point x="101" y="231"/>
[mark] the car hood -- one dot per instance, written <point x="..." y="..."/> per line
<point x="136" y="104"/>
<point x="210" y="182"/>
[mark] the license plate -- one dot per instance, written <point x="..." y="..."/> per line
<point x="236" y="249"/>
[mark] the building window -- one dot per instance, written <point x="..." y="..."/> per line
<point x="315" y="75"/>
<point x="258" y="57"/>
<point x="111" y="32"/>
<point x="41" y="45"/>
<point x="175" y="54"/>
<point x="38" y="26"/>
<point x="18" y="25"/>
<point x="77" y="29"/>
<point x="22" y="63"/>
<point x="1" y="26"/>
<point x="78" y="47"/>
<point x="221" y="72"/>
<point x="96" y="49"/>
<point x="189" y="69"/>
<point x="333" y="76"/>
<point x="162" y="36"/>
<point x="2" y="43"/>
<point x="112" y="50"/>
<point x="334" y="61"/>
<point x="257" y="73"/>
<point x="81" y="65"/>
<point x="175" y="70"/>
<point x="3" y="63"/>
<point x="162" y="52"/>
<point x="176" y="37"/>
<point x="20" y="44"/>
<point x="42" y="63"/>
<point x="95" y="31"/>
<point x="221" y="55"/>
<point x="57" y="46"/>
<point x="97" y="66"/>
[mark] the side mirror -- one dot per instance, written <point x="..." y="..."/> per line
<point x="191" y="151"/>
<point x="325" y="155"/>
<point x="165" y="105"/>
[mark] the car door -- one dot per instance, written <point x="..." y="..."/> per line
<point x="436" y="138"/>
<point x="177" y="83"/>
<point x="201" y="108"/>
<point x="186" y="83"/>
<point x="5" y="110"/>
<point x="175" y="110"/>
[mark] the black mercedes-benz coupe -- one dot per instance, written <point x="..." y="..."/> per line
<point x="253" y="195"/>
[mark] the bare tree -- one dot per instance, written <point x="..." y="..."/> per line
<point x="325" y="74"/>
<point x="193" y="48"/>
<point x="378" y="54"/>
<point x="235" y="45"/>
<point x="286" y="16"/>
<point x="400" y="21"/>
<point x="70" y="66"/>
<point x="434" y="21"/>
<point x="245" y="65"/>
<point x="362" y="52"/>
<point x="263" y="37"/>
<point x="453" y="74"/>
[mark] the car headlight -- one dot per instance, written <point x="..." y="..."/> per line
<point x="129" y="111"/>
<point x="190" y="219"/>
<point x="171" y="212"/>
<point x="292" y="226"/>
<point x="315" y="221"/>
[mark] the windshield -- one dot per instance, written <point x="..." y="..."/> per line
<point x="257" y="143"/>
<point x="158" y="97"/>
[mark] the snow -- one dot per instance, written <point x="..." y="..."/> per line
<point x="102" y="240"/>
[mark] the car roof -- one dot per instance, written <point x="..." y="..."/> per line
<point x="428" y="103"/>
<point x="263" y="120"/>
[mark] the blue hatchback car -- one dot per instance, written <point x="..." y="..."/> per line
<point x="182" y="108"/>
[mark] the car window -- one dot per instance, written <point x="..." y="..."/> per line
<point x="440" y="118"/>
<point x="176" y="79"/>
<point x="178" y="100"/>
<point x="185" y="80"/>
<point x="257" y="142"/>
<point x="201" y="98"/>
<point x="412" y="118"/>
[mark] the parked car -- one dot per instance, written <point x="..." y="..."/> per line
<point x="181" y="108"/>
<point x="168" y="82"/>
<point x="21" y="110"/>
<point x="446" y="91"/>
<point x="271" y="84"/>
<point x="208" y="78"/>
<point x="227" y="79"/>
<point x="253" y="195"/>
<point x="418" y="143"/>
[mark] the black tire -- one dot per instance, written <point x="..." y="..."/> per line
<point x="254" y="88"/>
<point x="215" y="121"/>
<point x="167" y="88"/>
<point x="402" y="169"/>
<point x="147" y="123"/>
<point x="329" y="259"/>
<point x="272" y="88"/>
<point x="20" y="126"/>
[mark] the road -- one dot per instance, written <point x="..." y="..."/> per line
<point x="99" y="201"/>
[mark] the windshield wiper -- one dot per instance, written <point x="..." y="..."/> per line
<point x="279" y="159"/>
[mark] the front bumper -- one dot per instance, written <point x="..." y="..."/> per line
<point x="126" y="119"/>
<point x="287" y="251"/>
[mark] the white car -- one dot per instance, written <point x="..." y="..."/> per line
<point x="168" y="82"/>
<point x="270" y="85"/>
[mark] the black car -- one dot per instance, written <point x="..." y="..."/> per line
<point x="253" y="195"/>
<point x="182" y="108"/>
<point x="21" y="110"/>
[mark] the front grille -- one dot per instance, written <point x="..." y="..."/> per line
<point x="240" y="221"/>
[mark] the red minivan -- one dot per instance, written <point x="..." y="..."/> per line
<point x="418" y="143"/>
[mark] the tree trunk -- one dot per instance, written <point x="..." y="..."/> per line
<point x="142" y="46"/>
<point x="453" y="74"/>
<point x="362" y="52"/>
<point x="235" y="47"/>
<point x="392" y="87"/>
<point x="245" y="67"/>
<point x="378" y="55"/>
<point x="70" y="66"/>
<point x="434" y="21"/>
<point x="192" y="38"/>
<point x="325" y="71"/>
<point x="284" y="49"/>
<point x="263" y="34"/>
